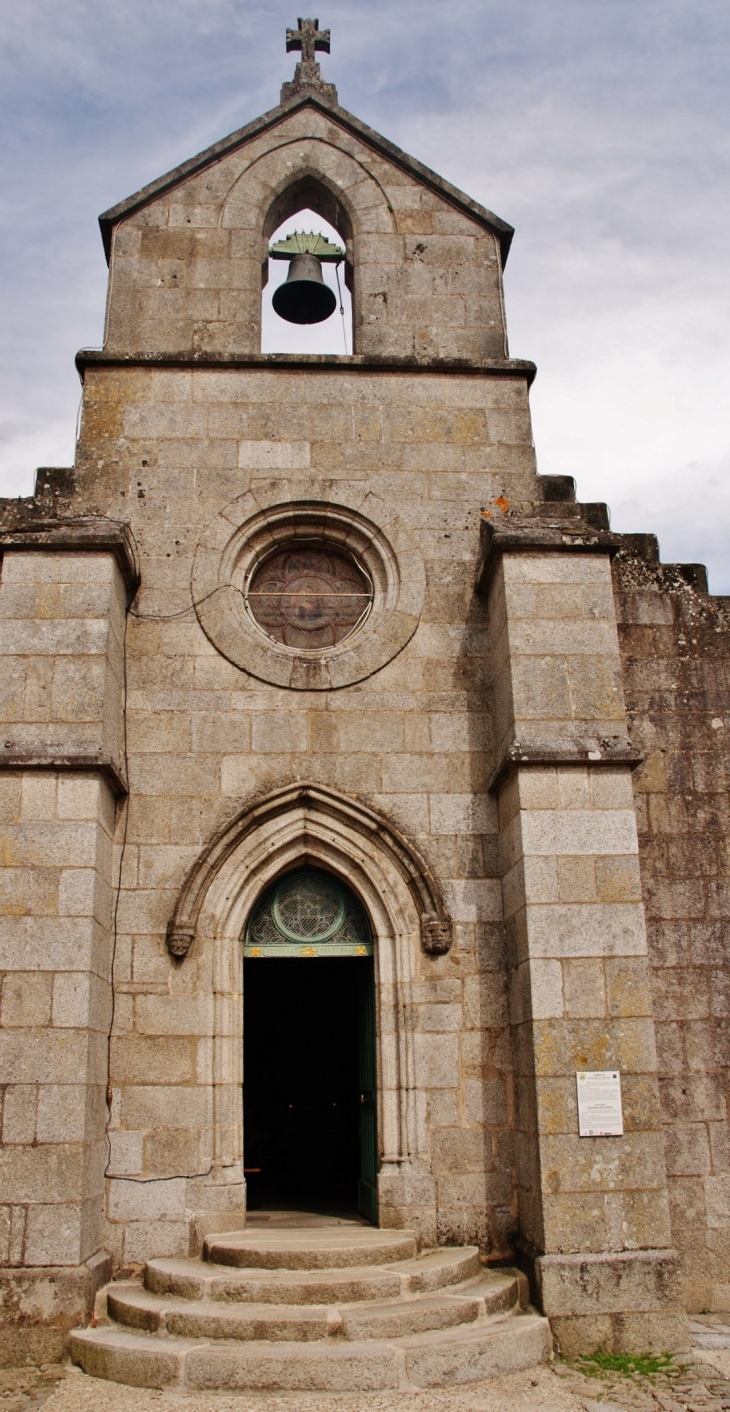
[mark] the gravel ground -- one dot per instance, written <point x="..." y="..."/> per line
<point x="697" y="1382"/>
<point x="521" y="1392"/>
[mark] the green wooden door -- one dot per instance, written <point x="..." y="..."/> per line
<point x="367" y="1191"/>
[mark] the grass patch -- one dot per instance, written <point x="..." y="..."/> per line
<point x="628" y="1365"/>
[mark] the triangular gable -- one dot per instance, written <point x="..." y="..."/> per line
<point x="349" y="122"/>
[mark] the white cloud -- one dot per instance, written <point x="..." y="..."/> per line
<point x="599" y="129"/>
<point x="23" y="450"/>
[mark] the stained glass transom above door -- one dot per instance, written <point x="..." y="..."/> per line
<point x="308" y="913"/>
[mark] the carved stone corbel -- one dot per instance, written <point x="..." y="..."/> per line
<point x="436" y="934"/>
<point x="179" y="939"/>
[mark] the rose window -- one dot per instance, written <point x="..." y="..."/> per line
<point x="309" y="597"/>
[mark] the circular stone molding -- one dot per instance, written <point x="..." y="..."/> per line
<point x="252" y="527"/>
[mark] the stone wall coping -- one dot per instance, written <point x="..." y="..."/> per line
<point x="531" y="536"/>
<point x="615" y="750"/>
<point x="274" y="116"/>
<point x="314" y="362"/>
<point x="82" y="536"/>
<point x="97" y="762"/>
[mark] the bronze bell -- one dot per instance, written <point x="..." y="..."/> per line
<point x="304" y="298"/>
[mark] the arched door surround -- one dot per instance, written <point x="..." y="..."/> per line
<point x="308" y="823"/>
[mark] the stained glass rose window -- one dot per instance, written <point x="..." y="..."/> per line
<point x="309" y="597"/>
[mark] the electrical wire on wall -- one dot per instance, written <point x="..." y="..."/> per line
<point x="342" y="306"/>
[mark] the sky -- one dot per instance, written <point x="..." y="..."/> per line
<point x="598" y="128"/>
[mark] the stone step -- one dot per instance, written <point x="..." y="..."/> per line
<point x="470" y="1352"/>
<point x="138" y="1308"/>
<point x="434" y="1269"/>
<point x="290" y="1323"/>
<point x="331" y="1248"/>
<point x="488" y="1350"/>
<point x="482" y="1298"/>
<point x="194" y="1279"/>
<point x="321" y="1310"/>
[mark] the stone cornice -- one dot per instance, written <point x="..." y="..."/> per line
<point x="92" y="534"/>
<point x="530" y="536"/>
<point x="524" y="753"/>
<point x="92" y="762"/>
<point x="312" y="362"/>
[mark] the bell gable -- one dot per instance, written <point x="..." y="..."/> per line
<point x="188" y="253"/>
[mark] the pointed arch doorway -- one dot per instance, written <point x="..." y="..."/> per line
<point x="309" y="1069"/>
<point x="311" y="823"/>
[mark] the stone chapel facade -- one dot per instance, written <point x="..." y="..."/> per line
<point x="517" y="762"/>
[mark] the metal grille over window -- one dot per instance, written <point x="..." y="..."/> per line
<point x="309" y="597"/>
<point x="308" y="913"/>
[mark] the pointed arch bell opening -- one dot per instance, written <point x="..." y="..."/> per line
<point x="333" y="334"/>
<point x="315" y="173"/>
<point x="309" y="204"/>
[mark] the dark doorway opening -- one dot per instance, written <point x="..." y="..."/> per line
<point x="309" y="1083"/>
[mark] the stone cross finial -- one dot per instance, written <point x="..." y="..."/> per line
<point x="308" y="37"/>
<point x="308" y="75"/>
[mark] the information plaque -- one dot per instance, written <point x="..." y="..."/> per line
<point x="599" y="1104"/>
